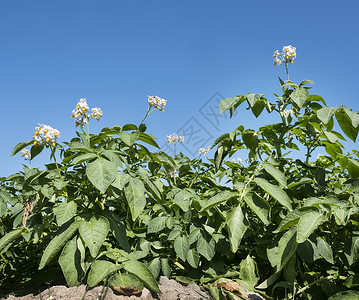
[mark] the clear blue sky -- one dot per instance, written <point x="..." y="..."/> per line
<point x="115" y="53"/>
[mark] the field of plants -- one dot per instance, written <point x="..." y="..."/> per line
<point x="107" y="210"/>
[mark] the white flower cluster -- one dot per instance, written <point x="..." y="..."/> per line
<point x="239" y="160"/>
<point x="45" y="134"/>
<point x="96" y="113"/>
<point x="173" y="138"/>
<point x="204" y="150"/>
<point x="288" y="112"/>
<point x="173" y="173"/>
<point x="287" y="56"/>
<point x="156" y="102"/>
<point x="81" y="113"/>
<point x="26" y="154"/>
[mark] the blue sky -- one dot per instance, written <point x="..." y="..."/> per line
<point x="115" y="53"/>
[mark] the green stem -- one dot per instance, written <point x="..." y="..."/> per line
<point x="286" y="69"/>
<point x="57" y="166"/>
<point x="313" y="283"/>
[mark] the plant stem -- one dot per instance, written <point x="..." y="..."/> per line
<point x="57" y="166"/>
<point x="286" y="69"/>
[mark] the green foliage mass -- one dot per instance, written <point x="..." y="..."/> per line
<point x="109" y="212"/>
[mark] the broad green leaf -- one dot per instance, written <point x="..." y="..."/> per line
<point x="346" y="121"/>
<point x="77" y="146"/>
<point x="306" y="81"/>
<point x="299" y="96"/>
<point x="259" y="206"/>
<point x="100" y="270"/>
<point x="65" y="212"/>
<point x="248" y="271"/>
<point x="352" y="281"/>
<point x="149" y="139"/>
<point x="276" y="174"/>
<point x="143" y="273"/>
<point x="268" y="282"/>
<point x="353" y="167"/>
<point x="129" y="138"/>
<point x="286" y="247"/>
<point x="120" y="182"/>
<point x="227" y="103"/>
<point x="101" y="173"/>
<point x="10" y="237"/>
<point x="289" y="270"/>
<point x="253" y="98"/>
<point x="293" y="217"/>
<point x="326" y="113"/>
<point x="351" y="249"/>
<point x="36" y="150"/>
<point x="181" y="246"/>
<point x="193" y="258"/>
<point x="118" y="230"/>
<point x="308" y="251"/>
<point x="220" y="198"/>
<point x="166" y="268"/>
<point x="155" y="267"/>
<point x="135" y="196"/>
<point x="126" y="280"/>
<point x="325" y="250"/>
<point x="183" y="199"/>
<point x="83" y="157"/>
<point x="307" y="224"/>
<point x="21" y="146"/>
<point x="237" y="226"/>
<point x="70" y="263"/>
<point x="347" y="295"/>
<point x="275" y="191"/>
<point x="206" y="247"/>
<point x="94" y="233"/>
<point x="156" y="224"/>
<point x="57" y="243"/>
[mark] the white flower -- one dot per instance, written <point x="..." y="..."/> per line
<point x="156" y="102"/>
<point x="204" y="150"/>
<point x="173" y="173"/>
<point x="45" y="134"/>
<point x="277" y="60"/>
<point x="173" y="138"/>
<point x="181" y="139"/>
<point x="96" y="113"/>
<point x="289" y="53"/>
<point x="80" y="112"/>
<point x="26" y="154"/>
<point x="288" y="112"/>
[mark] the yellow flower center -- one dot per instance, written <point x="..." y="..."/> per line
<point x="292" y="54"/>
<point x="45" y="131"/>
<point x="47" y="139"/>
<point x="287" y="57"/>
<point x="287" y="50"/>
<point x="35" y="143"/>
<point x="78" y="106"/>
<point x="84" y="108"/>
<point x="53" y="144"/>
<point x="55" y="134"/>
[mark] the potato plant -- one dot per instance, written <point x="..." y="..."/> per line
<point x="107" y="210"/>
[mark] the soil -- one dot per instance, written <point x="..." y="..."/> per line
<point x="171" y="290"/>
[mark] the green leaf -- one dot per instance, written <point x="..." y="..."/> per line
<point x="118" y="229"/>
<point x="101" y="173"/>
<point x="345" y="120"/>
<point x="21" y="146"/>
<point x="36" y="150"/>
<point x="253" y="98"/>
<point x="166" y="268"/>
<point x="83" y="157"/>
<point x="275" y="191"/>
<point x="259" y="206"/>
<point x="276" y="174"/>
<point x="65" y="212"/>
<point x="57" y="243"/>
<point x="193" y="258"/>
<point x="286" y="247"/>
<point x="325" y="250"/>
<point x="100" y="270"/>
<point x="143" y="273"/>
<point x="135" y="196"/>
<point x="221" y="197"/>
<point x="351" y="249"/>
<point x="70" y="263"/>
<point x="347" y="295"/>
<point x="326" y="113"/>
<point x="299" y="96"/>
<point x="353" y="167"/>
<point x="183" y="199"/>
<point x="248" y="271"/>
<point x="181" y="246"/>
<point x="306" y="81"/>
<point x="293" y="217"/>
<point x="307" y="224"/>
<point x="11" y="236"/>
<point x="352" y="281"/>
<point x="126" y="280"/>
<point x="206" y="247"/>
<point x="94" y="233"/>
<point x="227" y="103"/>
<point x="268" y="282"/>
<point x="156" y="224"/>
<point x="237" y="225"/>
<point x="155" y="267"/>
<point x="129" y="138"/>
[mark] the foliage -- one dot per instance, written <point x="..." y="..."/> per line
<point x="279" y="225"/>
